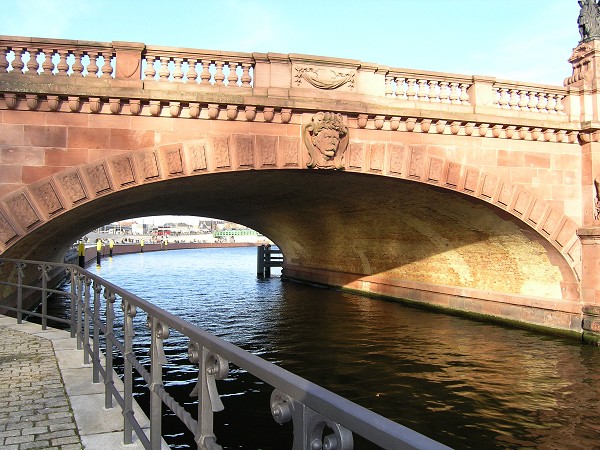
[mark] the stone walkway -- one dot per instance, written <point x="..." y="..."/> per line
<point x="47" y="398"/>
<point x="35" y="411"/>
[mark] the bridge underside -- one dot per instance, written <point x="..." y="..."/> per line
<point x="363" y="232"/>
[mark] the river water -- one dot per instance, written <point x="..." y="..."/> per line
<point x="461" y="382"/>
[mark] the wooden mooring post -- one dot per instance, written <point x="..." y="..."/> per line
<point x="267" y="257"/>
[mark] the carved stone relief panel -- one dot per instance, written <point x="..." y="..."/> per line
<point x="523" y="199"/>
<point x="506" y="192"/>
<point x="488" y="188"/>
<point x="267" y="146"/>
<point x="148" y="163"/>
<point x="72" y="186"/>
<point x="397" y="153"/>
<point x="435" y="170"/>
<point x="551" y="222"/>
<point x="244" y="146"/>
<point x="122" y="167"/>
<point x="471" y="180"/>
<point x="47" y="198"/>
<point x="220" y="145"/>
<point x="291" y="151"/>
<point x="376" y="157"/>
<point x="172" y="156"/>
<point x="453" y="175"/>
<point x="7" y="232"/>
<point x="417" y="161"/>
<point x="355" y="155"/>
<point x="197" y="156"/>
<point x="98" y="176"/>
<point x="23" y="211"/>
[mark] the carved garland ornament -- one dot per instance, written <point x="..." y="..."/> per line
<point x="324" y="78"/>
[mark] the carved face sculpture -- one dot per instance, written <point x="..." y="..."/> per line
<point x="327" y="141"/>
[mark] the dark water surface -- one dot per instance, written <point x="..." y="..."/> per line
<point x="464" y="383"/>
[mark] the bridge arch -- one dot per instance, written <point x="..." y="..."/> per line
<point x="398" y="215"/>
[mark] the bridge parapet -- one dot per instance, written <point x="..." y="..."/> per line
<point x="190" y="75"/>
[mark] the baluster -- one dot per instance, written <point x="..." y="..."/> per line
<point x="110" y="336"/>
<point x="219" y="75"/>
<point x="411" y="92"/>
<point x="96" y="337"/>
<point x="205" y="75"/>
<point x="93" y="65"/>
<point x="3" y="61"/>
<point x="533" y="101"/>
<point x="178" y="72"/>
<point x="62" y="65"/>
<point x="32" y="64"/>
<point x="523" y="100"/>
<point x="77" y="65"/>
<point x="388" y="86"/>
<point x="551" y="104"/>
<point x="191" y="74"/>
<point x="150" y="72"/>
<point x="47" y="64"/>
<point x="17" y="63"/>
<point x="400" y="92"/>
<point x="513" y="103"/>
<point x="45" y="278"/>
<point x="232" y="78"/>
<point x="106" y="67"/>
<point x="444" y="92"/>
<point x="422" y="94"/>
<point x="503" y="101"/>
<point x="464" y="95"/>
<point x="433" y="93"/>
<point x="164" y="73"/>
<point x="560" y="107"/>
<point x="454" y="94"/>
<point x="72" y="302"/>
<point x="542" y="102"/>
<point x="246" y="78"/>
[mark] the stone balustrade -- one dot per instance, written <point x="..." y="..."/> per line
<point x="136" y="61"/>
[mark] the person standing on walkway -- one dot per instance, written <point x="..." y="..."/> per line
<point x="98" y="251"/>
<point x="81" y="254"/>
<point x="141" y="246"/>
<point x="111" y="244"/>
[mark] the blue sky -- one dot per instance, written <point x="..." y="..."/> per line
<point x="525" y="40"/>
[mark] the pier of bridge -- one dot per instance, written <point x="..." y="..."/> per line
<point x="461" y="191"/>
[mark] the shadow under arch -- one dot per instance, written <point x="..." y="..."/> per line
<point x="457" y="227"/>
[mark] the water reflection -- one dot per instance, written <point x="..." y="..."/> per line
<point x="464" y="383"/>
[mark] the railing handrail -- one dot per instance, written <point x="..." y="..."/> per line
<point x="366" y="423"/>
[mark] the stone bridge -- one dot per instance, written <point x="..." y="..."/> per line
<point x="459" y="191"/>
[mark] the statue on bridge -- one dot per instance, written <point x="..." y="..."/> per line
<point x="589" y="20"/>
<point x="326" y="138"/>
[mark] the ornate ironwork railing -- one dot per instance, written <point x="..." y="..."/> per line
<point x="321" y="419"/>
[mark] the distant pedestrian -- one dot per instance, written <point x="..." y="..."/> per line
<point x="98" y="251"/>
<point x="141" y="246"/>
<point x="111" y="244"/>
<point x="81" y="253"/>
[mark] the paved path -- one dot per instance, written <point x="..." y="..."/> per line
<point x="47" y="398"/>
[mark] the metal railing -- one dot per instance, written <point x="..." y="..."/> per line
<point x="321" y="419"/>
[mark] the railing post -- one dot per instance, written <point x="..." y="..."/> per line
<point x="128" y="60"/>
<point x="96" y="338"/>
<point x="159" y="332"/>
<point x="73" y="297"/>
<point x="44" y="269"/>
<point x="481" y="92"/>
<point x="211" y="367"/>
<point x="129" y="313"/>
<point x="20" y="267"/>
<point x="81" y="283"/>
<point x="86" y="322"/>
<point x="108" y="378"/>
